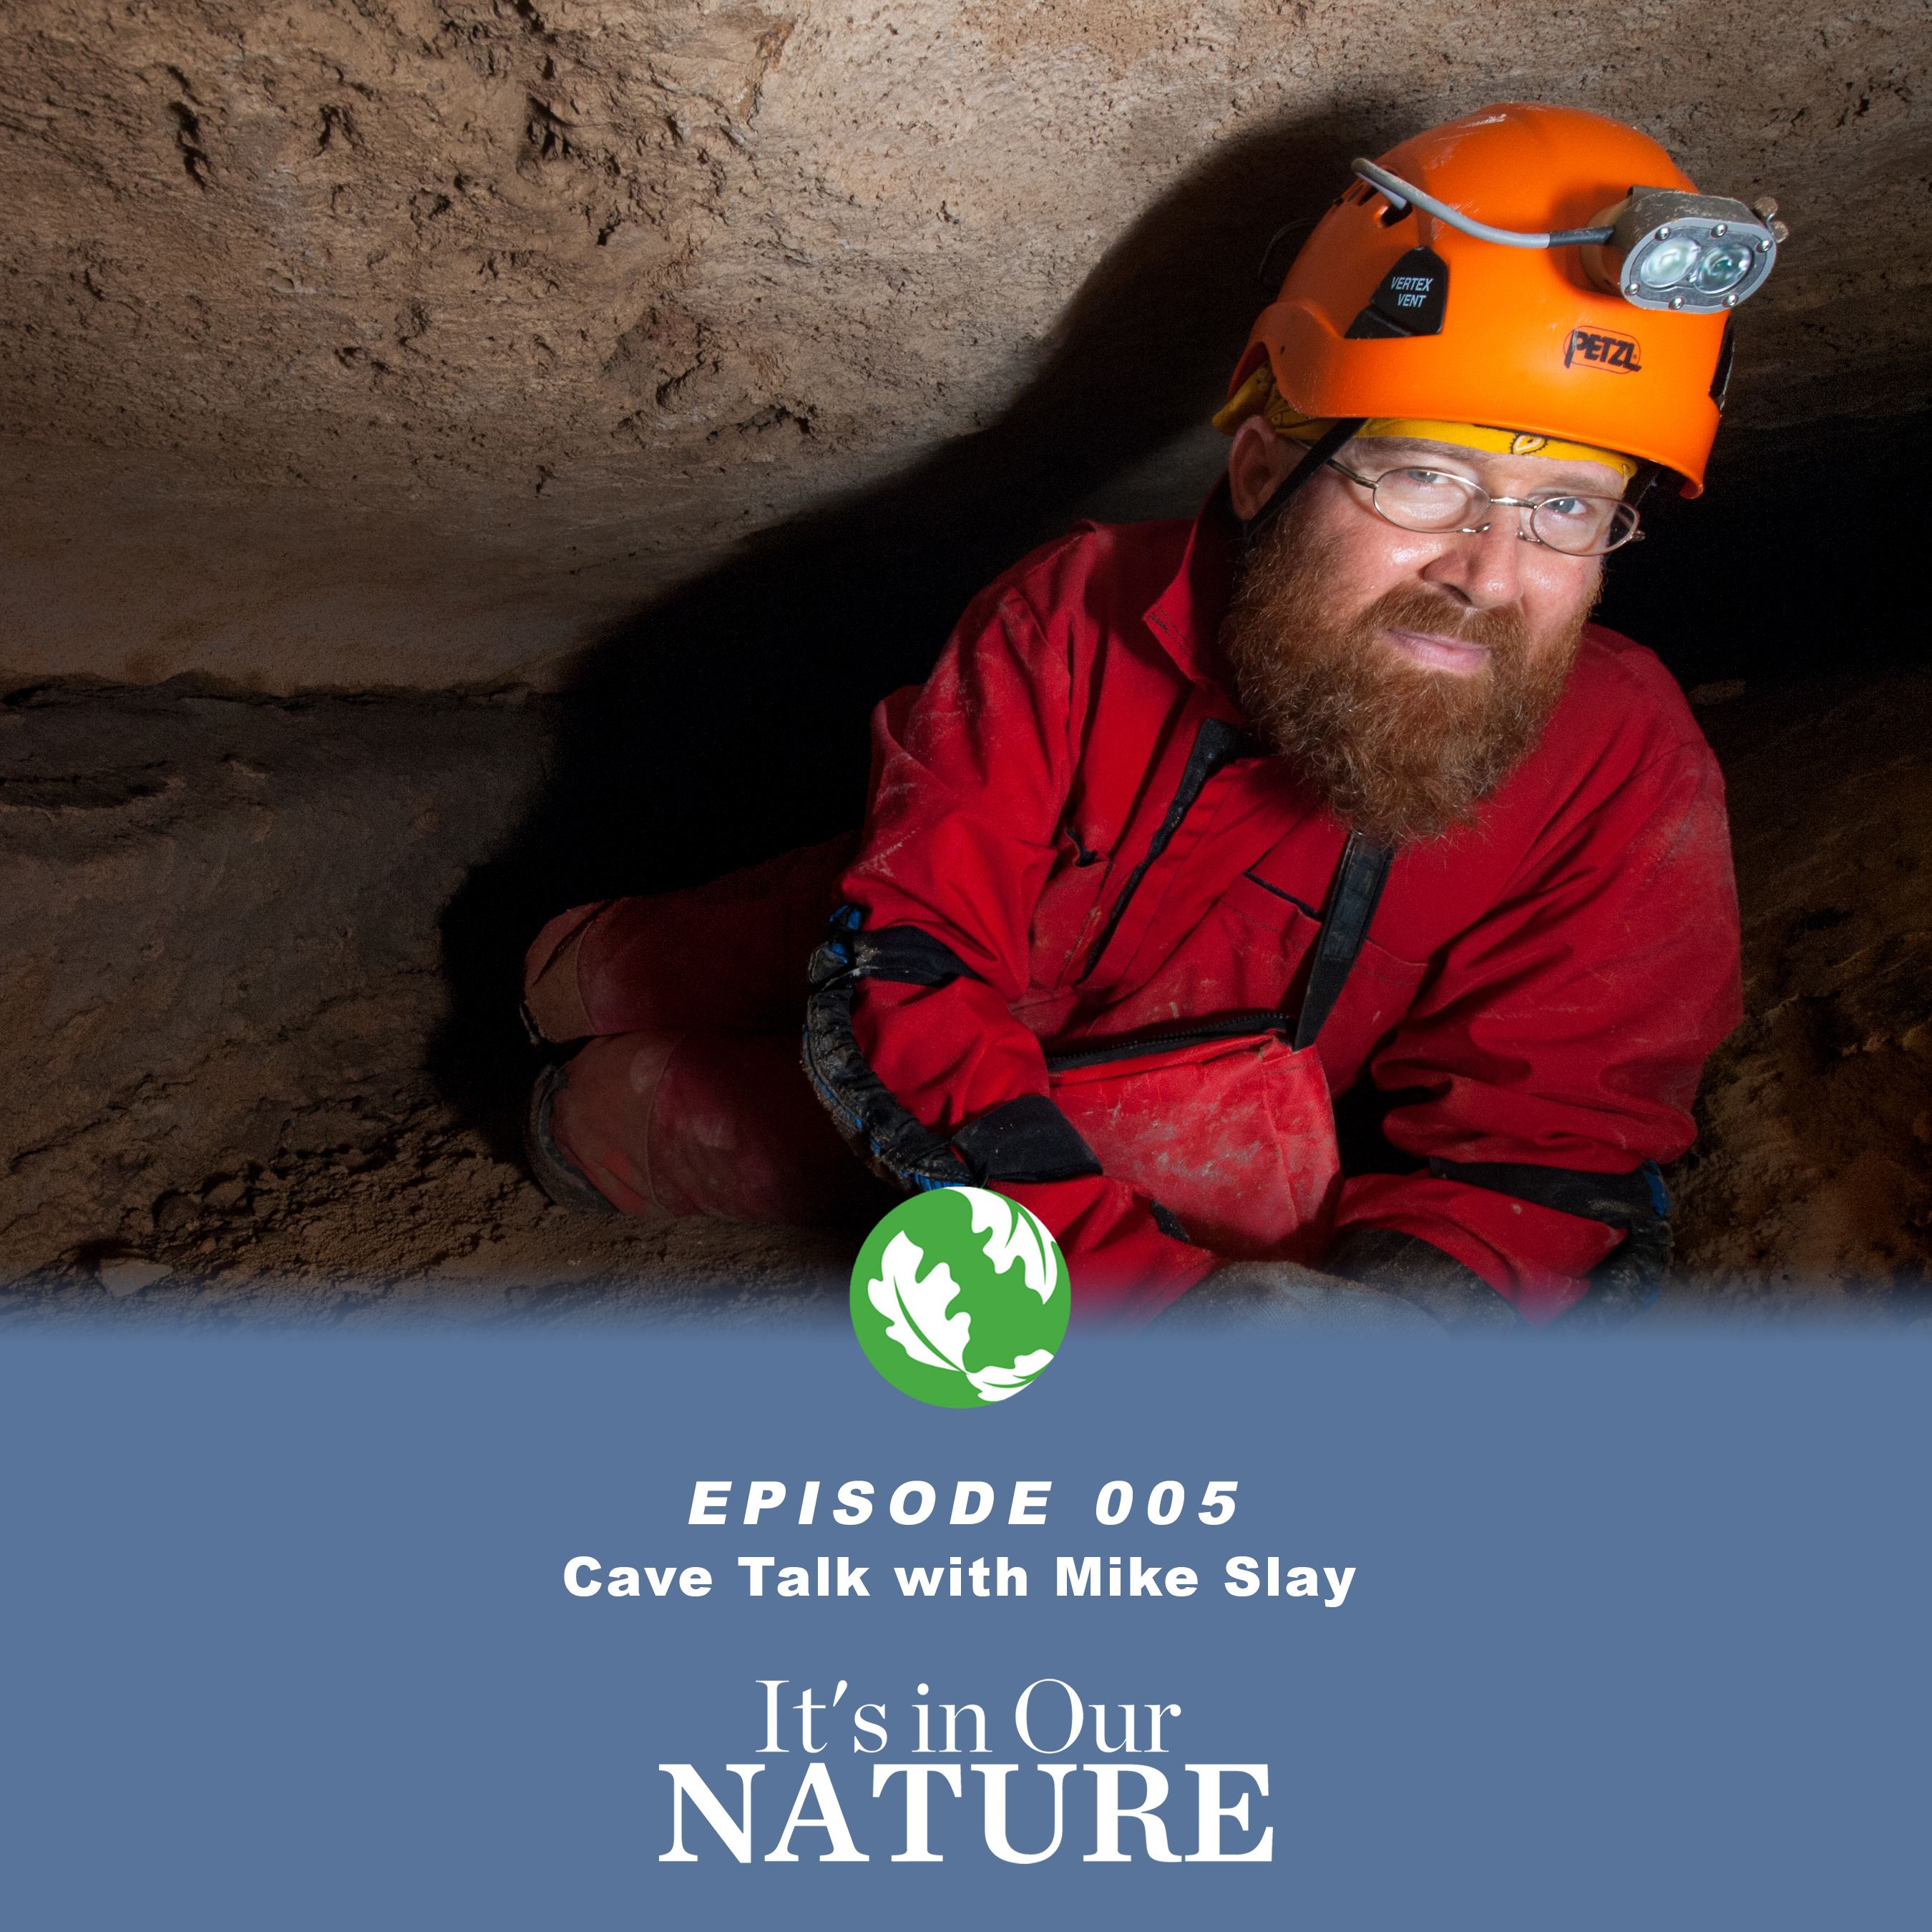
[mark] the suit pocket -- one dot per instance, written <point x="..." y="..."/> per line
<point x="1231" y="1129"/>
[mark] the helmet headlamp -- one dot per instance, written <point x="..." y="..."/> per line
<point x="1659" y="247"/>
<point x="1696" y="253"/>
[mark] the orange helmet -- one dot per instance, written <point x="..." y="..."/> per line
<point x="1391" y="312"/>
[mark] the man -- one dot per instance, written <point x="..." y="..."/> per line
<point x="1334" y="792"/>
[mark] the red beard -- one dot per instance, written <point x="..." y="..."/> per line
<point x="1401" y="752"/>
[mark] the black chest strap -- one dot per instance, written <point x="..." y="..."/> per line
<point x="1352" y="899"/>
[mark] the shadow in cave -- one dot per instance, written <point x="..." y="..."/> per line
<point x="727" y="721"/>
<point x="1791" y="566"/>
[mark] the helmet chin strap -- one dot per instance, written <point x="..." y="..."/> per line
<point x="1318" y="452"/>
<point x="1640" y="485"/>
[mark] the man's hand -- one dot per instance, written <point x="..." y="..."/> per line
<point x="1285" y="1294"/>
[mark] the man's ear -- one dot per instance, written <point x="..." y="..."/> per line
<point x="1256" y="464"/>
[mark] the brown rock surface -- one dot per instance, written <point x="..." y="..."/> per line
<point x="237" y="1077"/>
<point x="218" y="930"/>
<point x="1812" y="1179"/>
<point x="409" y="342"/>
<point x="698" y="360"/>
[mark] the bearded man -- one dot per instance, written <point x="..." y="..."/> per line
<point x="1335" y="791"/>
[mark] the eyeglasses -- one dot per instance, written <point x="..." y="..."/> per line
<point x="1432" y="499"/>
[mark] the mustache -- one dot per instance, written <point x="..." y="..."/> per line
<point x="1410" y="606"/>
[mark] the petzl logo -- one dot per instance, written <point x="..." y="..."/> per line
<point x="1604" y="347"/>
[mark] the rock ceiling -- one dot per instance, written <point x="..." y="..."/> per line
<point x="369" y="343"/>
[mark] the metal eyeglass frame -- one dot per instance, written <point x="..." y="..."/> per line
<point x="1634" y="534"/>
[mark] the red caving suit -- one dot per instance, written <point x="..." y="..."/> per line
<point x="1542" y="989"/>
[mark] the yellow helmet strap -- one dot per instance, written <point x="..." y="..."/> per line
<point x="1258" y="396"/>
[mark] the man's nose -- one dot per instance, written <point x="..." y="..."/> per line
<point x="1484" y="567"/>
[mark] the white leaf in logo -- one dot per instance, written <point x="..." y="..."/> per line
<point x="995" y="1385"/>
<point x="1015" y="1235"/>
<point x="915" y="1310"/>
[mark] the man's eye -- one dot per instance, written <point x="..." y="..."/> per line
<point x="1427" y="483"/>
<point x="1578" y="508"/>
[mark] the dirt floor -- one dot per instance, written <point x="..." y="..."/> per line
<point x="228" y="1080"/>
<point x="263" y="1126"/>
<point x="394" y="1209"/>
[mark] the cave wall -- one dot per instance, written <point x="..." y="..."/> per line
<point x="348" y="344"/>
<point x="690" y="365"/>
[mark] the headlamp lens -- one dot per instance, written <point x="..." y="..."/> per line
<point x="1723" y="267"/>
<point x="1667" y="249"/>
<point x="1667" y="262"/>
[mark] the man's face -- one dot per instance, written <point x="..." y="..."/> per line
<point x="1405" y="673"/>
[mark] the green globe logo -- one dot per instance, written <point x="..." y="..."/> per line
<point x="959" y="1296"/>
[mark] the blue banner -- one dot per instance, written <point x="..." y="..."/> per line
<point x="471" y="1627"/>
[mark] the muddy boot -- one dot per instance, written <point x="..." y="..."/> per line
<point x="565" y="1183"/>
<point x="682" y="1122"/>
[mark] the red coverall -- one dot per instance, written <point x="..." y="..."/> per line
<point x="1548" y="984"/>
